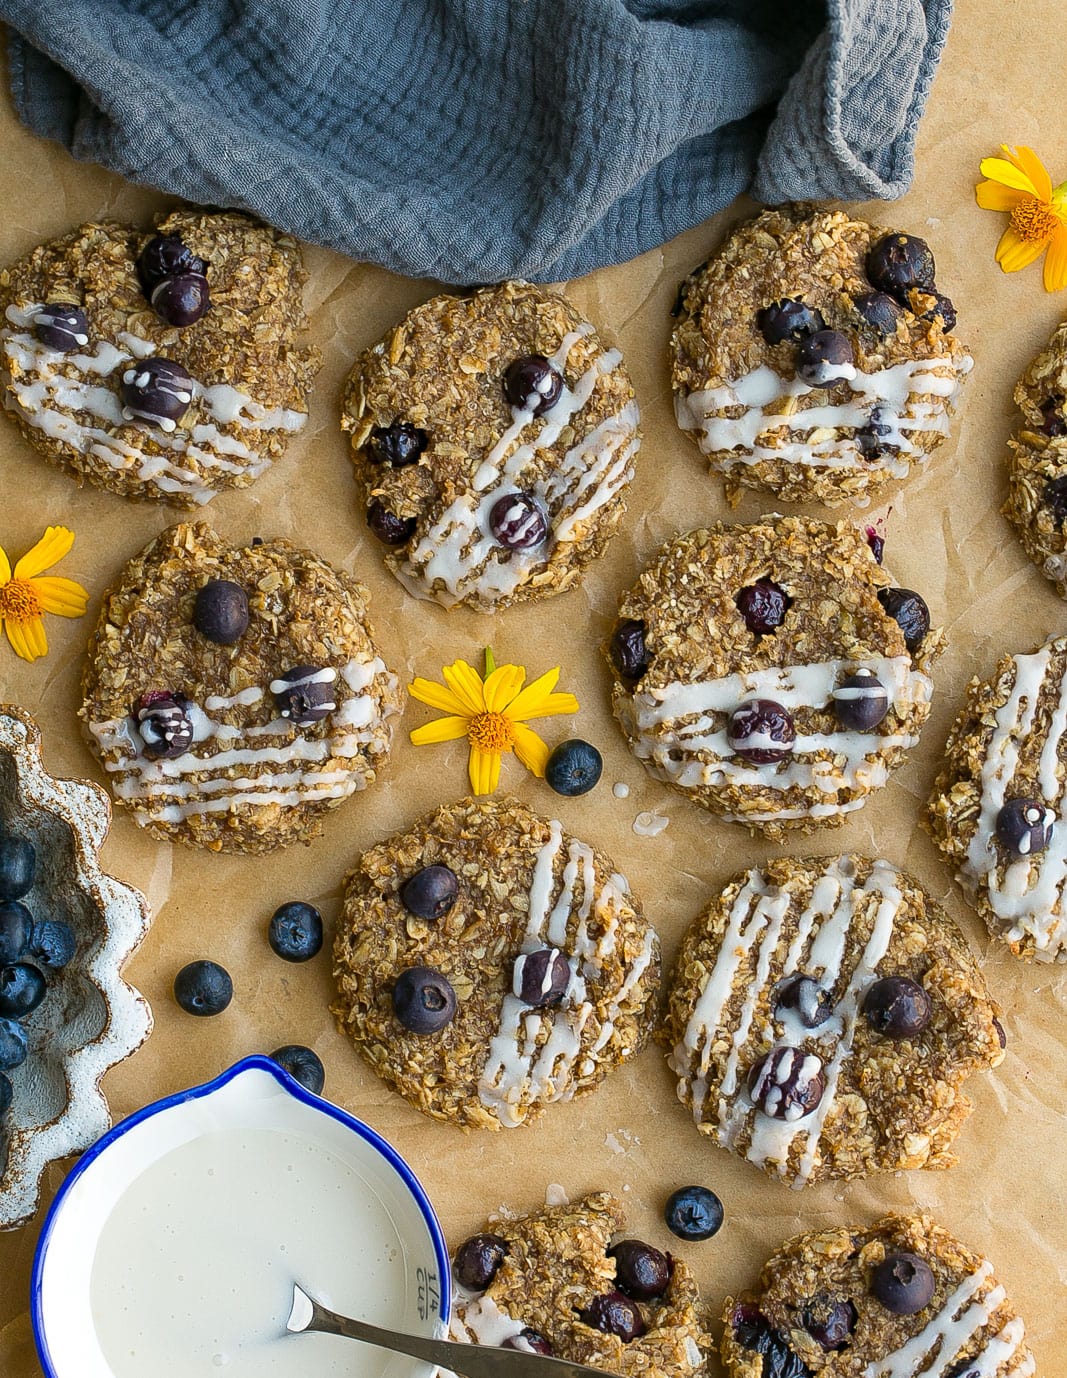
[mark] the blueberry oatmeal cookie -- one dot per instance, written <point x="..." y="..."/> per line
<point x="234" y="695"/>
<point x="813" y="357"/>
<point x="772" y="672"/>
<point x="493" y="438"/>
<point x="897" y="1299"/>
<point x="995" y="807"/>
<point x="489" y="964"/>
<point x="823" y="1017"/>
<point x="553" y="1283"/>
<point x="164" y="365"/>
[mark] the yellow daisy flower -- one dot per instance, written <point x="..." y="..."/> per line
<point x="25" y="595"/>
<point x="492" y="715"/>
<point x="1020" y="185"/>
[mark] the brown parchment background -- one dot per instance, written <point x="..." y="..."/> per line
<point x="1001" y="80"/>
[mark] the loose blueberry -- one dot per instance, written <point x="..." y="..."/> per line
<point x="898" y="262"/>
<point x="825" y="358"/>
<point x="387" y="526"/>
<point x="165" y="256"/>
<point x="860" y="701"/>
<point x="18" y="866"/>
<point x="295" y="931"/>
<point x="53" y="944"/>
<point x="1025" y="826"/>
<point x="788" y="319"/>
<point x="16" y="930"/>
<point x="763" y="605"/>
<point x="518" y="521"/>
<point x="761" y="731"/>
<point x="755" y="1333"/>
<point x="830" y="1323"/>
<point x="303" y="1065"/>
<point x="430" y="893"/>
<point x="573" y="767"/>
<point x="22" y="988"/>
<point x="305" y="694"/>
<point x="397" y="445"/>
<point x="423" y="1000"/>
<point x="477" y="1260"/>
<point x="1055" y="498"/>
<point x="61" y="326"/>
<point x="540" y="979"/>
<point x="628" y="652"/>
<point x="802" y="996"/>
<point x="903" y="1283"/>
<point x="220" y="612"/>
<point x="897" y="1007"/>
<point x="533" y="384"/>
<point x="910" y="612"/>
<point x="530" y="1341"/>
<point x="787" y="1083"/>
<point x="7" y="1095"/>
<point x="164" y="724"/>
<point x="693" y="1213"/>
<point x="614" y="1314"/>
<point x="156" y="390"/>
<point x="880" y="311"/>
<point x="876" y="543"/>
<point x="203" y="988"/>
<point x="641" y="1271"/>
<point x="1053" y="420"/>
<point x="14" y="1045"/>
<point x="181" y="300"/>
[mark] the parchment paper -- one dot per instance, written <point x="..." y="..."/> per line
<point x="1000" y="81"/>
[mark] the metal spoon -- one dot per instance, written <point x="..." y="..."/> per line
<point x="472" y="1361"/>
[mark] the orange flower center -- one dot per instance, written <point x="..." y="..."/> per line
<point x="19" y="601"/>
<point x="491" y="732"/>
<point x="1034" y="221"/>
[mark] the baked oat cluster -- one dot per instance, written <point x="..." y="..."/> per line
<point x="996" y="805"/>
<point x="489" y="964"/>
<point x="813" y="357"/>
<point x="897" y="1299"/>
<point x="493" y="437"/>
<point x="823" y="1017"/>
<point x="772" y="672"/>
<point x="553" y="1283"/>
<point x="165" y="365"/>
<point x="235" y="694"/>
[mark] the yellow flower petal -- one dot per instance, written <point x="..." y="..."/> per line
<point x="530" y="749"/>
<point x="991" y="196"/>
<point x="484" y="770"/>
<point x="1000" y="170"/>
<point x="550" y="707"/>
<point x="1014" y="253"/>
<point x="436" y="695"/>
<point x="466" y="683"/>
<point x="1031" y="166"/>
<point x="27" y="638"/>
<point x="1056" y="262"/>
<point x="440" y="730"/>
<point x="61" y="596"/>
<point x="49" y="550"/>
<point x="530" y="703"/>
<point x="502" y="686"/>
<point x="5" y="566"/>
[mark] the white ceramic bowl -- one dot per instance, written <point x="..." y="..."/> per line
<point x="253" y="1096"/>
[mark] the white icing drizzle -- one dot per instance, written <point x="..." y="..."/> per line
<point x="811" y="434"/>
<point x="747" y="956"/>
<point x="1027" y="893"/>
<point x="162" y="792"/>
<point x="533" y="1055"/>
<point x="480" y="1321"/>
<point x="679" y="732"/>
<point x="54" y="400"/>
<point x="459" y="552"/>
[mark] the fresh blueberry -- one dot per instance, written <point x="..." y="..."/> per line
<point x="802" y="996"/>
<point x="910" y="612"/>
<point x="825" y="358"/>
<point x="14" y="1044"/>
<point x="18" y="866"/>
<point x="876" y="543"/>
<point x="761" y="731"/>
<point x="16" y="930"/>
<point x="156" y="390"/>
<point x="305" y="694"/>
<point x="897" y="1007"/>
<point x="165" y="724"/>
<point x="397" y="445"/>
<point x="203" y="988"/>
<point x="628" y="652"/>
<point x="53" y="944"/>
<point x="1055" y="498"/>
<point x="903" y="1283"/>
<point x="1025" y="826"/>
<point x="641" y="1271"/>
<point x="540" y="978"/>
<point x="22" y="988"/>
<point x="614" y="1314"/>
<point x="181" y="300"/>
<point x="7" y="1095"/>
<point x="165" y="256"/>
<point x="295" y="931"/>
<point x="423" y="1000"/>
<point x="61" y="326"/>
<point x="533" y="384"/>
<point x="478" y="1259"/>
<point x="860" y="701"/>
<point x="303" y="1065"/>
<point x="788" y="319"/>
<point x="573" y="767"/>
<point x="1053" y="420"/>
<point x="430" y="893"/>
<point x="763" y="605"/>
<point x="880" y="311"/>
<point x="693" y="1213"/>
<point x="787" y="1083"/>
<point x="530" y="1341"/>
<point x="898" y="262"/>
<point x="387" y="526"/>
<point x="829" y="1322"/>
<point x="518" y="521"/>
<point x="756" y="1334"/>
<point x="220" y="612"/>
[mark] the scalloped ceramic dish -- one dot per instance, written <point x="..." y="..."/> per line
<point x="91" y="1018"/>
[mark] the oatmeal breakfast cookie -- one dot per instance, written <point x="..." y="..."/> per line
<point x="813" y="357"/>
<point x="234" y="694"/>
<point x="493" y="437"/>
<point x="994" y="811"/>
<point x="772" y="672"/>
<point x="553" y="1283"/>
<point x="488" y="964"/>
<point x="165" y="364"/>
<point x="897" y="1299"/>
<point x="823" y="1016"/>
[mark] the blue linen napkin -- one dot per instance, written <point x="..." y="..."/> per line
<point x="476" y="140"/>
